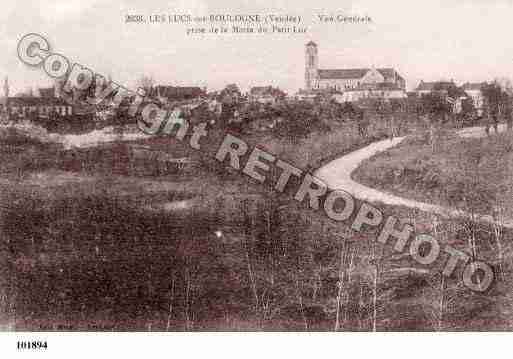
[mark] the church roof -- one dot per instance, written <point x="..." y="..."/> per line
<point x="342" y="73"/>
<point x="380" y="86"/>
<point x="353" y="73"/>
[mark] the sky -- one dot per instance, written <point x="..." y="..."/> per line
<point x="431" y="40"/>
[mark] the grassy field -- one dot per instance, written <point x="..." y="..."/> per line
<point x="459" y="172"/>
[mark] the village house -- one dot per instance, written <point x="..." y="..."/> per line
<point x="425" y="88"/>
<point x="304" y="95"/>
<point x="177" y="93"/>
<point x="42" y="107"/>
<point x="266" y="94"/>
<point x="447" y="89"/>
<point x="47" y="92"/>
<point x="473" y="90"/>
<point x="350" y="79"/>
<point x="366" y="91"/>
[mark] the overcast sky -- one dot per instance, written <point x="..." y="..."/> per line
<point x="451" y="39"/>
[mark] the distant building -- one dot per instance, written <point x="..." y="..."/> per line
<point x="366" y="91"/>
<point x="266" y="94"/>
<point x="26" y="106"/>
<point x="46" y="92"/>
<point x="425" y="88"/>
<point x="39" y="106"/>
<point x="346" y="79"/>
<point x="453" y="94"/>
<point x="304" y="95"/>
<point x="230" y="94"/>
<point x="177" y="93"/>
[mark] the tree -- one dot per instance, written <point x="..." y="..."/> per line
<point x="493" y="94"/>
<point x="495" y="98"/>
<point x="505" y="84"/>
<point x="146" y="83"/>
<point x="468" y="111"/>
<point x="231" y="93"/>
<point x="435" y="109"/>
<point x="345" y="274"/>
<point x="298" y="121"/>
<point x="454" y="91"/>
<point x="436" y="106"/>
<point x="470" y="190"/>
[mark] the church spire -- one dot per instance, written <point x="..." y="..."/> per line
<point x="311" y="65"/>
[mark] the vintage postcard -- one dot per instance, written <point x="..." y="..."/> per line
<point x="255" y="166"/>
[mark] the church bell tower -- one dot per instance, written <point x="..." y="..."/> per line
<point x="311" y="65"/>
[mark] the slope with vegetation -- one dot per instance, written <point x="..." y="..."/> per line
<point x="89" y="236"/>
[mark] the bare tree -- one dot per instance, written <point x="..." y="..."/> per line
<point x="300" y="300"/>
<point x="441" y="302"/>
<point x="498" y="231"/>
<point x="187" y="298"/>
<point x="171" y="300"/>
<point x="349" y="279"/>
<point x="375" y="263"/>
<point x="340" y="283"/>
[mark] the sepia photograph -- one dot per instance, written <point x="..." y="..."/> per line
<point x="181" y="167"/>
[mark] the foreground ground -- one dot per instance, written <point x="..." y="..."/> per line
<point x="95" y="239"/>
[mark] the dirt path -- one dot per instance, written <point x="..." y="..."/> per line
<point x="96" y="137"/>
<point x="337" y="175"/>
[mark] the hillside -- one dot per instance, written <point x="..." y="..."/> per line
<point x="461" y="172"/>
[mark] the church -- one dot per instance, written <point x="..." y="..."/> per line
<point x="381" y="81"/>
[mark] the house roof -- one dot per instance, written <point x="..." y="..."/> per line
<point x="430" y="86"/>
<point x="311" y="43"/>
<point x="177" y="92"/>
<point x="356" y="73"/>
<point x="425" y="86"/>
<point x="260" y="90"/>
<point x="472" y="86"/>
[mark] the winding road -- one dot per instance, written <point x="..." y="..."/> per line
<point x="337" y="175"/>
